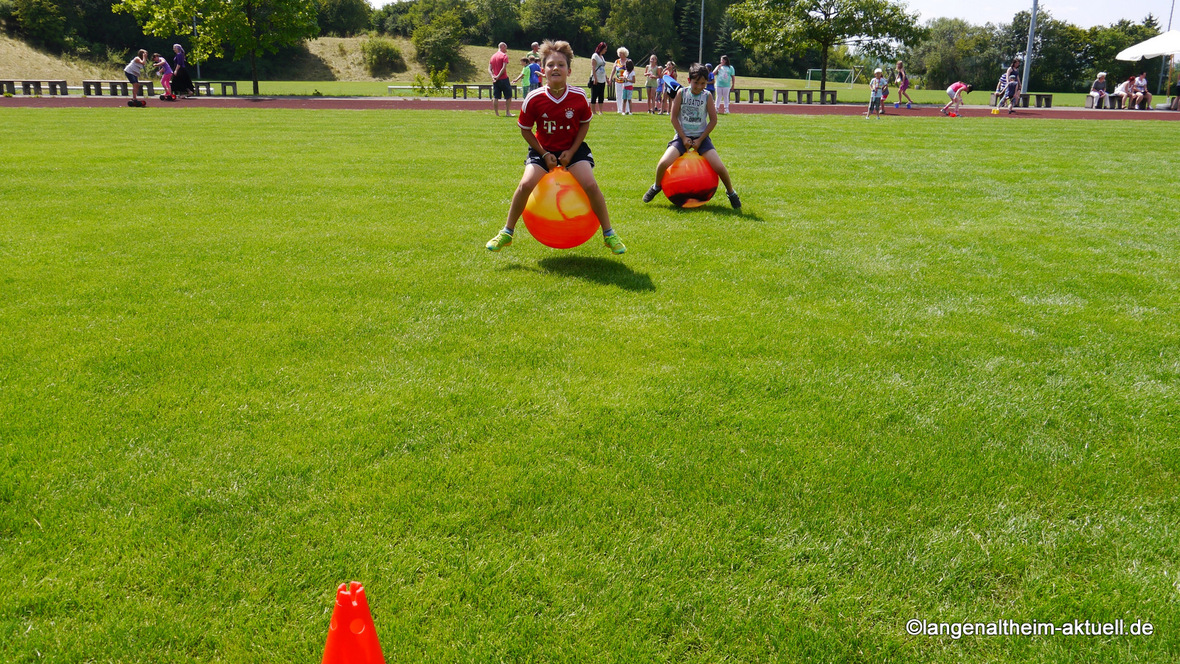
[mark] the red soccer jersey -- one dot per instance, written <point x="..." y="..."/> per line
<point x="558" y="119"/>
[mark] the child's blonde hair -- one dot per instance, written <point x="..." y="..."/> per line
<point x="562" y="47"/>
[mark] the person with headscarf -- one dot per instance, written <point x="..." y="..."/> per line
<point x="182" y="82"/>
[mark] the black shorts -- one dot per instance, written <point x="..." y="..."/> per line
<point x="581" y="154"/>
<point x="502" y="89"/>
<point x="131" y="77"/>
<point x="679" y="145"/>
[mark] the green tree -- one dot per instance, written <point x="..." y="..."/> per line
<point x="495" y="21"/>
<point x="343" y="18"/>
<point x="876" y="26"/>
<point x="644" y="28"/>
<point x="1057" y="59"/>
<point x="41" y="21"/>
<point x="577" y="21"/>
<point x="394" y="19"/>
<point x="1104" y="42"/>
<point x="250" y="28"/>
<point x="954" y="50"/>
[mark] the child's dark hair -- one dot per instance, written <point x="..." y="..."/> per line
<point x="697" y="70"/>
<point x="967" y="89"/>
<point x="630" y="65"/>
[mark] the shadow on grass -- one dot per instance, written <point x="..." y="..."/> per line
<point x="725" y="211"/>
<point x="599" y="270"/>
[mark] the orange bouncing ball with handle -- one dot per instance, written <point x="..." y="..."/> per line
<point x="690" y="181"/>
<point x="558" y="212"/>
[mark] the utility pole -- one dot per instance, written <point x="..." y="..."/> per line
<point x="701" y="49"/>
<point x="195" y="39"/>
<point x="1165" y="71"/>
<point x="1028" y="51"/>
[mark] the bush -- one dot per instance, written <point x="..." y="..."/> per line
<point x="439" y="42"/>
<point x="382" y="57"/>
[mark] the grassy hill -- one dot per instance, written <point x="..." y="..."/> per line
<point x="19" y="60"/>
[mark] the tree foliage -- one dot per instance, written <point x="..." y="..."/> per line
<point x="439" y="42"/>
<point x="42" y="21"/>
<point x="342" y="18"/>
<point x="249" y="28"/>
<point x="876" y="26"/>
<point x="577" y="21"/>
<point x="1065" y="57"/>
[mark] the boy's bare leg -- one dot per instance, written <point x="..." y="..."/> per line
<point x="532" y="175"/>
<point x="584" y="174"/>
<point x="670" y="155"/>
<point x="714" y="160"/>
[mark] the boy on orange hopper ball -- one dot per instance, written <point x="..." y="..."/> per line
<point x="694" y="115"/>
<point x="562" y="116"/>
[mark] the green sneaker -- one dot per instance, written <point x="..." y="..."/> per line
<point x="614" y="243"/>
<point x="501" y="240"/>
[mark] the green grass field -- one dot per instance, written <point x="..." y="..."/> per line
<point x="930" y="371"/>
<point x="858" y="93"/>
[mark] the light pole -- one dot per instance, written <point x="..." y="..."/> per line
<point x="1028" y="51"/>
<point x="701" y="48"/>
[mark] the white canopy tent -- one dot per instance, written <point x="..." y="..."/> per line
<point x="1160" y="45"/>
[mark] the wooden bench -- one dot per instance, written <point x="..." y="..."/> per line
<point x="1047" y="99"/>
<point x="785" y="93"/>
<point x="737" y="94"/>
<point x="1024" y="97"/>
<point x="8" y="87"/>
<point x="120" y="88"/>
<point x="1110" y="102"/>
<point x="35" y="87"/>
<point x="208" y="85"/>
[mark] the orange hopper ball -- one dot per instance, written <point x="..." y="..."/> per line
<point x="690" y="181"/>
<point x="558" y="212"/>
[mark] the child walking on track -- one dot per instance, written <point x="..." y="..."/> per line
<point x="694" y="115"/>
<point x="562" y="117"/>
<point x="955" y="92"/>
<point x="903" y="84"/>
<point x="165" y="73"/>
<point x="878" y="88"/>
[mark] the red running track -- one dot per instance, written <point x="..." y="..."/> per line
<point x="442" y="104"/>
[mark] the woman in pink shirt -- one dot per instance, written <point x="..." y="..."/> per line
<point x="955" y="92"/>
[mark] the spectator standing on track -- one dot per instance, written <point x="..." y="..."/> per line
<point x="628" y="87"/>
<point x="618" y="74"/>
<point x="525" y="77"/>
<point x="598" y="78"/>
<point x="724" y="78"/>
<point x="652" y="72"/>
<point x="501" y="86"/>
<point x="878" y="87"/>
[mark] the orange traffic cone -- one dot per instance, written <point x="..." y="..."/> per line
<point x="352" y="638"/>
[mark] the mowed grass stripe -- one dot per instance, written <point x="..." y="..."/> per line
<point x="929" y="372"/>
